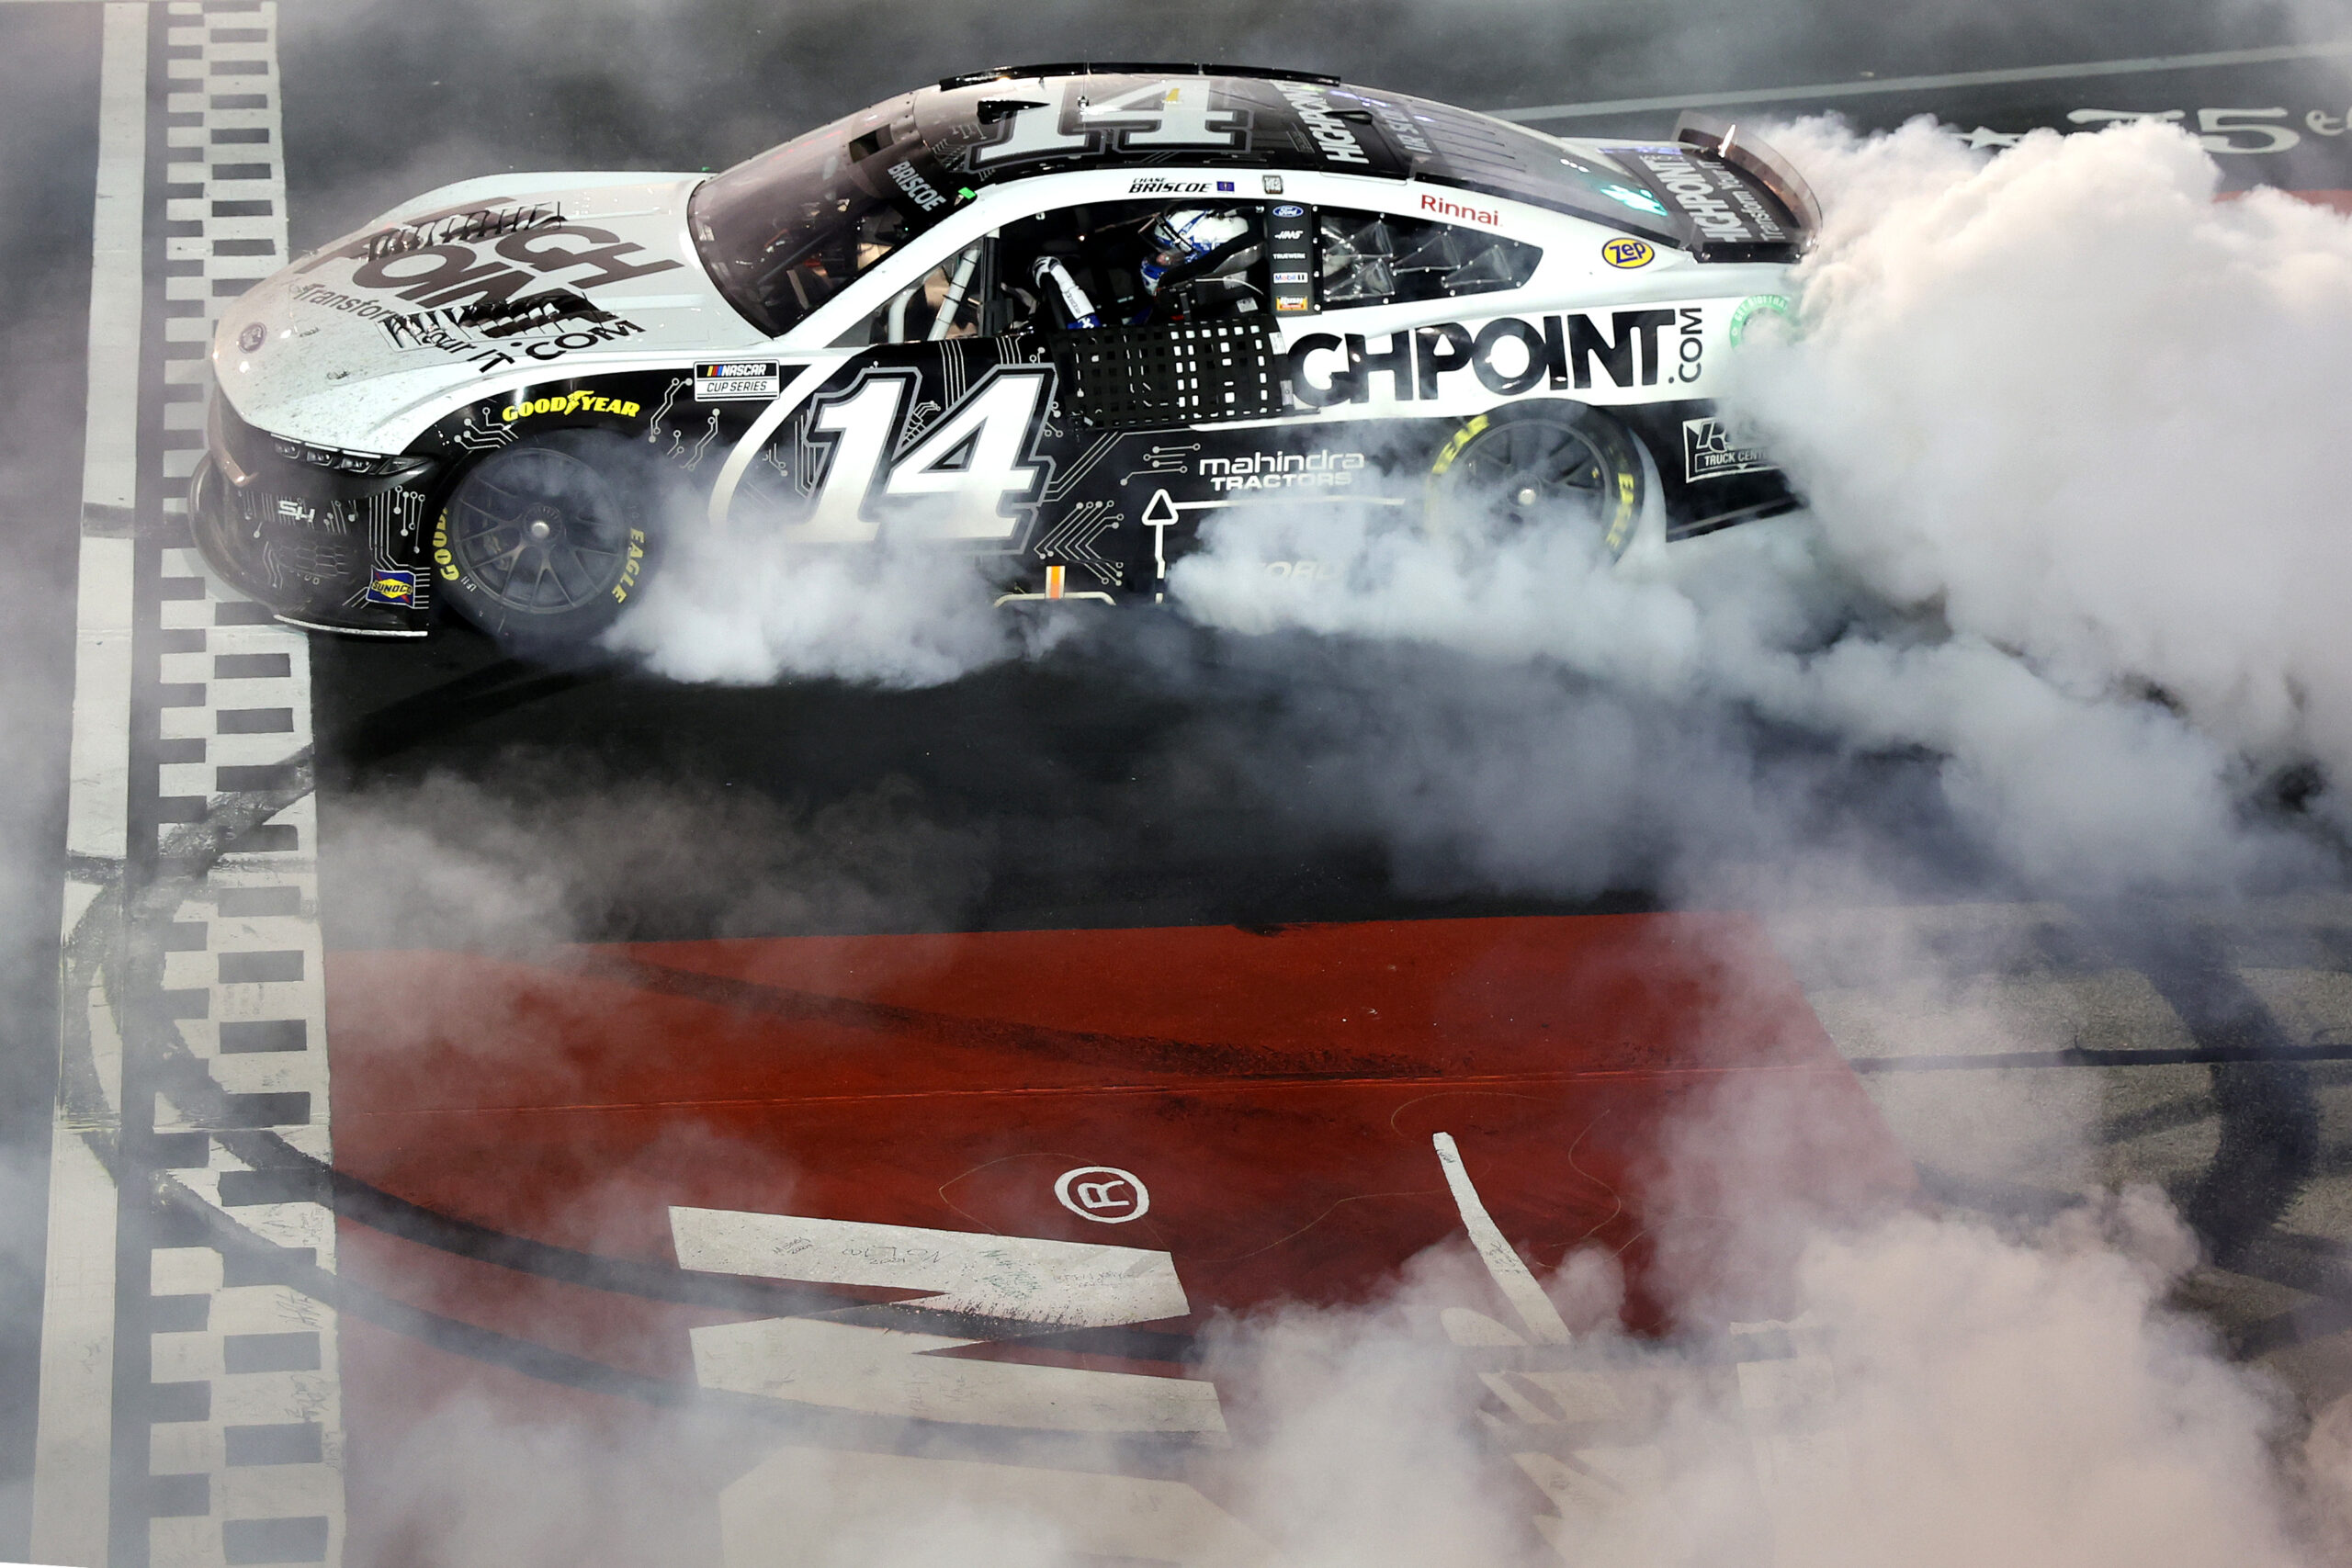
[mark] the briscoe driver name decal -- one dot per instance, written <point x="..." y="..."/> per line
<point x="1710" y="453"/>
<point x="737" y="380"/>
<point x="1586" y="351"/>
<point x="1713" y="197"/>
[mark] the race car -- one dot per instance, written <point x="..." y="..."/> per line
<point x="1058" y="316"/>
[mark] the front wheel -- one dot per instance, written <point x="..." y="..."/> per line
<point x="1540" y="465"/>
<point x="543" y="544"/>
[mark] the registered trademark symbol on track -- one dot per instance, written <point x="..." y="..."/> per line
<point x="1103" y="1192"/>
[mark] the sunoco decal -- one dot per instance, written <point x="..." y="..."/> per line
<point x="1709" y="452"/>
<point x="1756" y="305"/>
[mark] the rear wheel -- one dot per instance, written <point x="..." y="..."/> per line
<point x="1540" y="465"/>
<point x="543" y="544"/>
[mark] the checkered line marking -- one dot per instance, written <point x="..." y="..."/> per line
<point x="244" y="1461"/>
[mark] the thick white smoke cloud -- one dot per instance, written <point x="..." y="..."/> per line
<point x="2066" y="424"/>
<point x="2064" y="420"/>
<point x="2088" y="413"/>
<point x="1955" y="1397"/>
<point x="734" y="605"/>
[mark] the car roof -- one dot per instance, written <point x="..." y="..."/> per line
<point x="1018" y="122"/>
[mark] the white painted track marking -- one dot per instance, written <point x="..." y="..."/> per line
<point x="230" y="1392"/>
<point x="1510" y="1273"/>
<point x="73" y="1432"/>
<point x="1021" y="1279"/>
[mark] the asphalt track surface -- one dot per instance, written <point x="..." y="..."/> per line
<point x="1093" y="790"/>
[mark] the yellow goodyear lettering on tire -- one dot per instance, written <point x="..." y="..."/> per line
<point x="1461" y="438"/>
<point x="443" y="561"/>
<point x="1627" y="252"/>
<point x="575" y="402"/>
<point x="632" y="567"/>
<point x="1622" y="525"/>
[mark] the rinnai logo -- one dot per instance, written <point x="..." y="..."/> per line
<point x="1445" y="208"/>
<point x="921" y="191"/>
<point x="1103" y="1192"/>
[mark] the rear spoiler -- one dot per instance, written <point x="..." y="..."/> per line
<point x="1755" y="158"/>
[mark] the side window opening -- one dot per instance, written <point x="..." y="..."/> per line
<point x="946" y="302"/>
<point x="1111" y="264"/>
<point x="1371" y="258"/>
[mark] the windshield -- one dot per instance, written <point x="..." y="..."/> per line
<point x="783" y="232"/>
<point x="1457" y="147"/>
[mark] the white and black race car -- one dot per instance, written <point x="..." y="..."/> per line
<point x="1055" y="315"/>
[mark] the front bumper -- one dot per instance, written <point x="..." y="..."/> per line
<point x="326" y="550"/>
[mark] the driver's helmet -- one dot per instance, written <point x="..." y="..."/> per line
<point x="1185" y="235"/>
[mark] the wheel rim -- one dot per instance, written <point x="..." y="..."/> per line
<point x="540" y="530"/>
<point x="1533" y="470"/>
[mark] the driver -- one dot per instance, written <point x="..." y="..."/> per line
<point x="1176" y="239"/>
<point x="1184" y="236"/>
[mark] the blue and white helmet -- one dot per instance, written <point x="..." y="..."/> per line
<point x="1186" y="235"/>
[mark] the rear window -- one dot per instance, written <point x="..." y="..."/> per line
<point x="1455" y="147"/>
<point x="1377" y="258"/>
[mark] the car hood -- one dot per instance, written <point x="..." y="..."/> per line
<point x="468" y="292"/>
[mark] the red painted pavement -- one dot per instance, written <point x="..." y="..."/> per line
<point x="1276" y="1093"/>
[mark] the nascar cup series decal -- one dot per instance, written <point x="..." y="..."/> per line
<point x="737" y="380"/>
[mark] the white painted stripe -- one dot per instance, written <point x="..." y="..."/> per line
<point x="98" y="798"/>
<point x="73" y="1435"/>
<point x="2084" y="69"/>
<point x="1510" y="1272"/>
<point x="1024" y="1279"/>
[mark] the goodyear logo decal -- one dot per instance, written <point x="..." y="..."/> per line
<point x="577" y="403"/>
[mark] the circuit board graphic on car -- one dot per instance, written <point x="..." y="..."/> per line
<point x="1057" y="316"/>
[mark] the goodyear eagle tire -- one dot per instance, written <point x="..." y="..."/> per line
<point x="541" y="545"/>
<point x="1544" y="465"/>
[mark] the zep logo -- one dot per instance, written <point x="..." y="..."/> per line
<point x="1103" y="1192"/>
<point x="1627" y="252"/>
